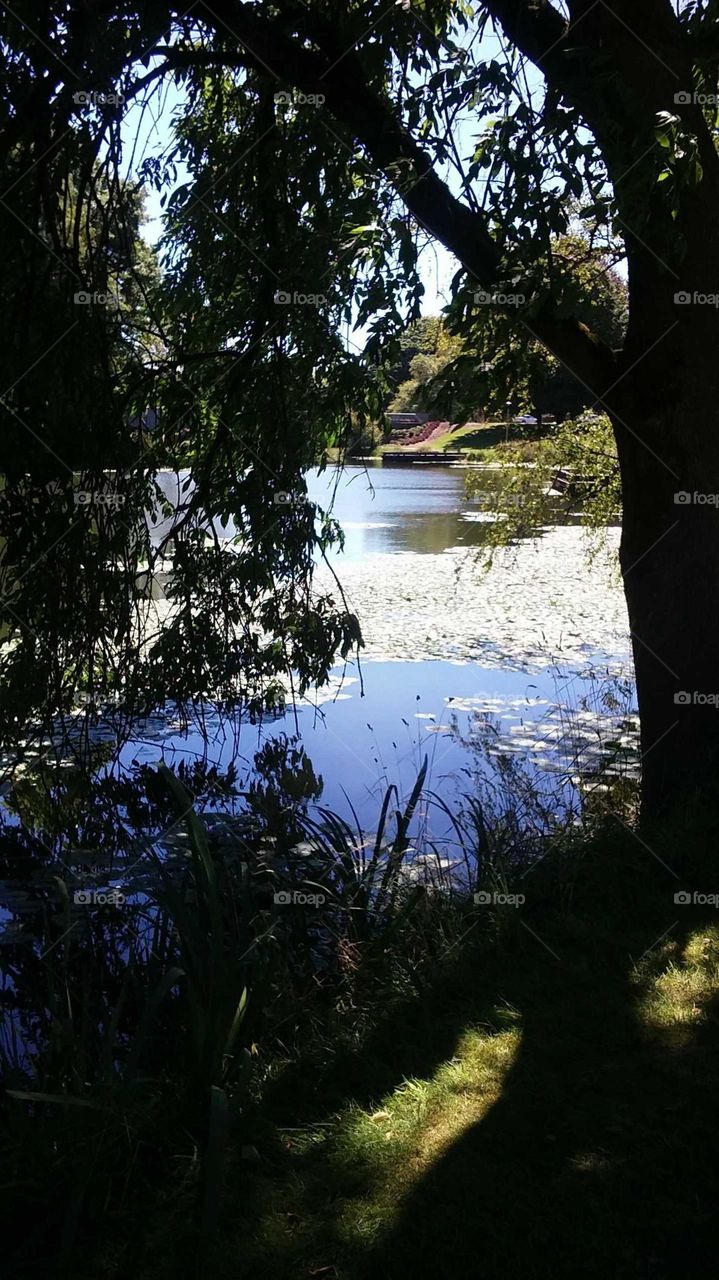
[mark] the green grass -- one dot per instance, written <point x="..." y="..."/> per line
<point x="487" y="438"/>
<point x="471" y="436"/>
<point x="544" y="1109"/>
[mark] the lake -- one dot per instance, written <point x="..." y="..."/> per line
<point x="528" y="660"/>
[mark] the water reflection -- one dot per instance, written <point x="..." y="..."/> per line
<point x="422" y="509"/>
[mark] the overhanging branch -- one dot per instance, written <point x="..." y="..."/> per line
<point x="371" y="119"/>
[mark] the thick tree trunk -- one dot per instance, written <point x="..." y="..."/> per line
<point x="668" y="439"/>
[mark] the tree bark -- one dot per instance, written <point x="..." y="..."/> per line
<point x="665" y="422"/>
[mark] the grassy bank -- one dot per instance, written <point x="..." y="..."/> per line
<point x="473" y="435"/>
<point x="546" y="1107"/>
<point x="489" y="441"/>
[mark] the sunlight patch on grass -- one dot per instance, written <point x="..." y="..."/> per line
<point x="352" y="1177"/>
<point x="677" y="996"/>
<point x="416" y="1123"/>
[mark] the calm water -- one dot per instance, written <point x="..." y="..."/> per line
<point x="460" y="665"/>
<point x="385" y="510"/>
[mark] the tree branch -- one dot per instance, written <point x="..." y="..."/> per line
<point x="374" y="124"/>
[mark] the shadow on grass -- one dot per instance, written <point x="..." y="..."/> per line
<point x="598" y="1158"/>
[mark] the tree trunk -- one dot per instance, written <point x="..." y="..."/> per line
<point x="668" y="440"/>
